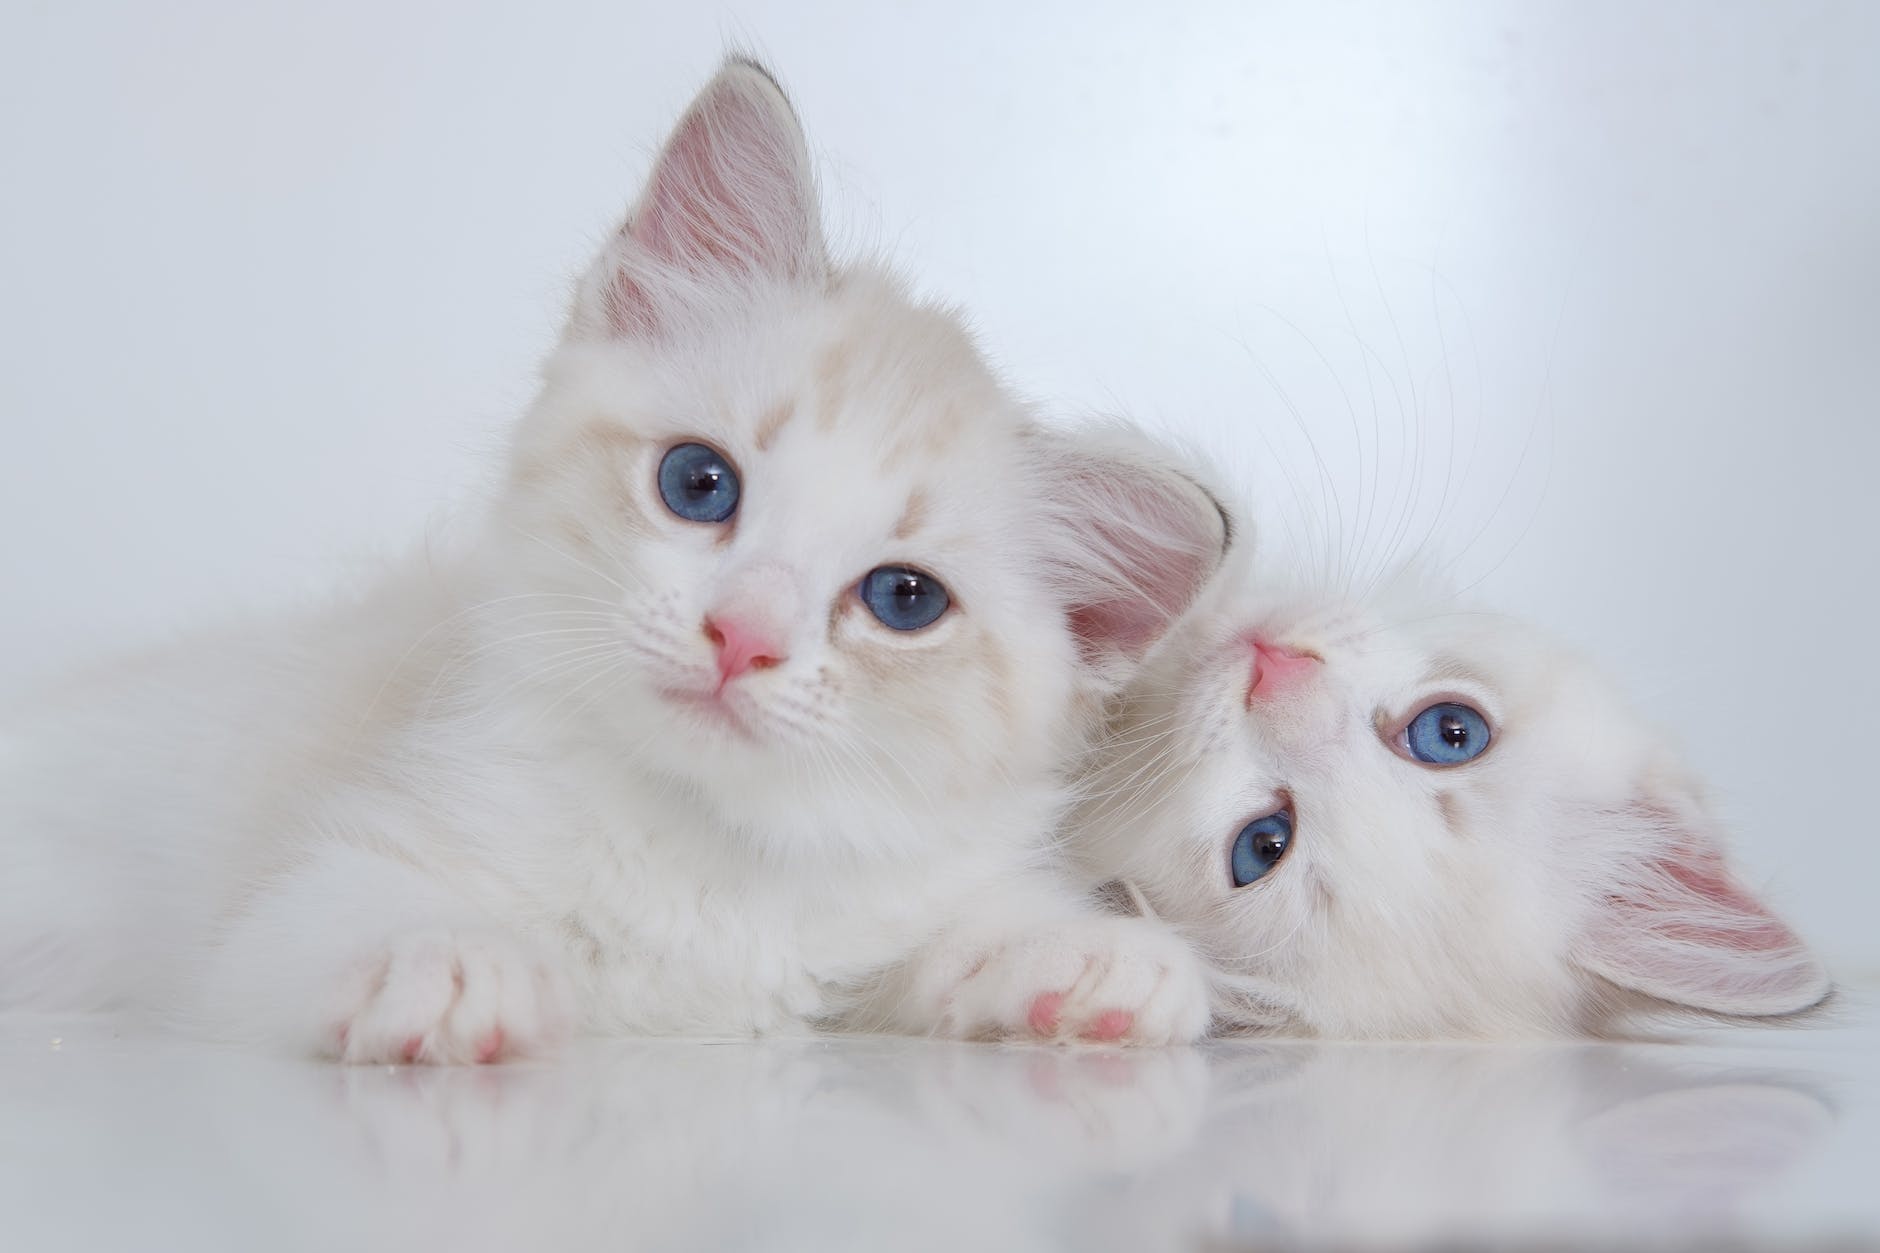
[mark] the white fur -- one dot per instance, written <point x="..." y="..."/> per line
<point x="1572" y="869"/>
<point x="449" y="819"/>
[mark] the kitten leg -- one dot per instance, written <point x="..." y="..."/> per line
<point x="1109" y="980"/>
<point x="356" y="956"/>
<point x="1042" y="971"/>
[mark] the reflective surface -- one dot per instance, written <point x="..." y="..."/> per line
<point x="111" y="1138"/>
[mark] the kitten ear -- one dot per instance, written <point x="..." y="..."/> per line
<point x="1135" y="540"/>
<point x="1681" y="927"/>
<point x="731" y="202"/>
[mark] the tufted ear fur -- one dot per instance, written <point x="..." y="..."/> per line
<point x="731" y="203"/>
<point x="1136" y="539"/>
<point x="1682" y="928"/>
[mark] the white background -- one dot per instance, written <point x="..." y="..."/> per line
<point x="273" y="277"/>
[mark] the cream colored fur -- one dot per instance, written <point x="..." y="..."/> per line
<point x="464" y="813"/>
<point x="1574" y="869"/>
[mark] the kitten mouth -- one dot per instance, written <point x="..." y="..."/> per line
<point x="711" y="708"/>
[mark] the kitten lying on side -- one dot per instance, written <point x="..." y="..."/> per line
<point x="743" y="710"/>
<point x="1397" y="818"/>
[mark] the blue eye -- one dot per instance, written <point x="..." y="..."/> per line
<point x="1447" y="735"/>
<point x="1259" y="846"/>
<point x="697" y="482"/>
<point x="904" y="599"/>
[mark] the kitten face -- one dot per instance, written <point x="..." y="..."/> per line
<point x="777" y="534"/>
<point x="1505" y="888"/>
<point x="864" y="435"/>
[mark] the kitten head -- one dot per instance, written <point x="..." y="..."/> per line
<point x="777" y="534"/>
<point x="1397" y="818"/>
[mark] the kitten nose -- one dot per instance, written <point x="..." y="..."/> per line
<point x="741" y="646"/>
<point x="1276" y="667"/>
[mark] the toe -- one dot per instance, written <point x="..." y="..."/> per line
<point x="1046" y="1009"/>
<point x="1110" y="1025"/>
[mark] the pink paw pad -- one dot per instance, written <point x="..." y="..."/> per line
<point x="1111" y="1024"/>
<point x="412" y="1048"/>
<point x="490" y="1047"/>
<point x="1043" y="1018"/>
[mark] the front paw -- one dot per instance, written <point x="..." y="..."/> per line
<point x="447" y="996"/>
<point x="1107" y="980"/>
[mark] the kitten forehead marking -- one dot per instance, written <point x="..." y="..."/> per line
<point x="832" y="380"/>
<point x="774" y="422"/>
<point x="923" y="365"/>
<point x="913" y="515"/>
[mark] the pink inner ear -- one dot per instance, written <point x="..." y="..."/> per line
<point x="716" y="189"/>
<point x="730" y="197"/>
<point x="1157" y="546"/>
<point x="1682" y="928"/>
<point x="1101" y="628"/>
<point x="1731" y="917"/>
<point x="1130" y="619"/>
<point x="632" y="312"/>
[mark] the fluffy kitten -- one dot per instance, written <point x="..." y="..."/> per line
<point x="1392" y="817"/>
<point x="742" y="709"/>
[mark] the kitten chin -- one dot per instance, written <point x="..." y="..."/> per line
<point x="1400" y="818"/>
<point x="744" y="706"/>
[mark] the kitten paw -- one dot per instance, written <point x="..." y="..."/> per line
<point x="1103" y="980"/>
<point x="445" y="997"/>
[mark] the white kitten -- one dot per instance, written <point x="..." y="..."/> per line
<point x="743" y="709"/>
<point x="1396" y="817"/>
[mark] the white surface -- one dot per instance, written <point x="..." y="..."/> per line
<point x="273" y="277"/>
<point x="120" y="1140"/>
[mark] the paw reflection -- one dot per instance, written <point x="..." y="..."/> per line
<point x="844" y="1142"/>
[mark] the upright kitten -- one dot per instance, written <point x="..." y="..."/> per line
<point x="742" y="709"/>
<point x="1396" y="818"/>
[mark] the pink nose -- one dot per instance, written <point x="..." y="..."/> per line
<point x="1276" y="668"/>
<point x="741" y="647"/>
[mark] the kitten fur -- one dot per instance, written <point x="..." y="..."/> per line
<point x="1574" y="870"/>
<point x="506" y="793"/>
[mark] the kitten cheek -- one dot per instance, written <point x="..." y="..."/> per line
<point x="578" y="525"/>
<point x="891" y="670"/>
<point x="855" y="632"/>
<point x="599" y="459"/>
<point x="950" y="679"/>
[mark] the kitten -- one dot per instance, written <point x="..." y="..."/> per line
<point x="743" y="709"/>
<point x="1391" y="817"/>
